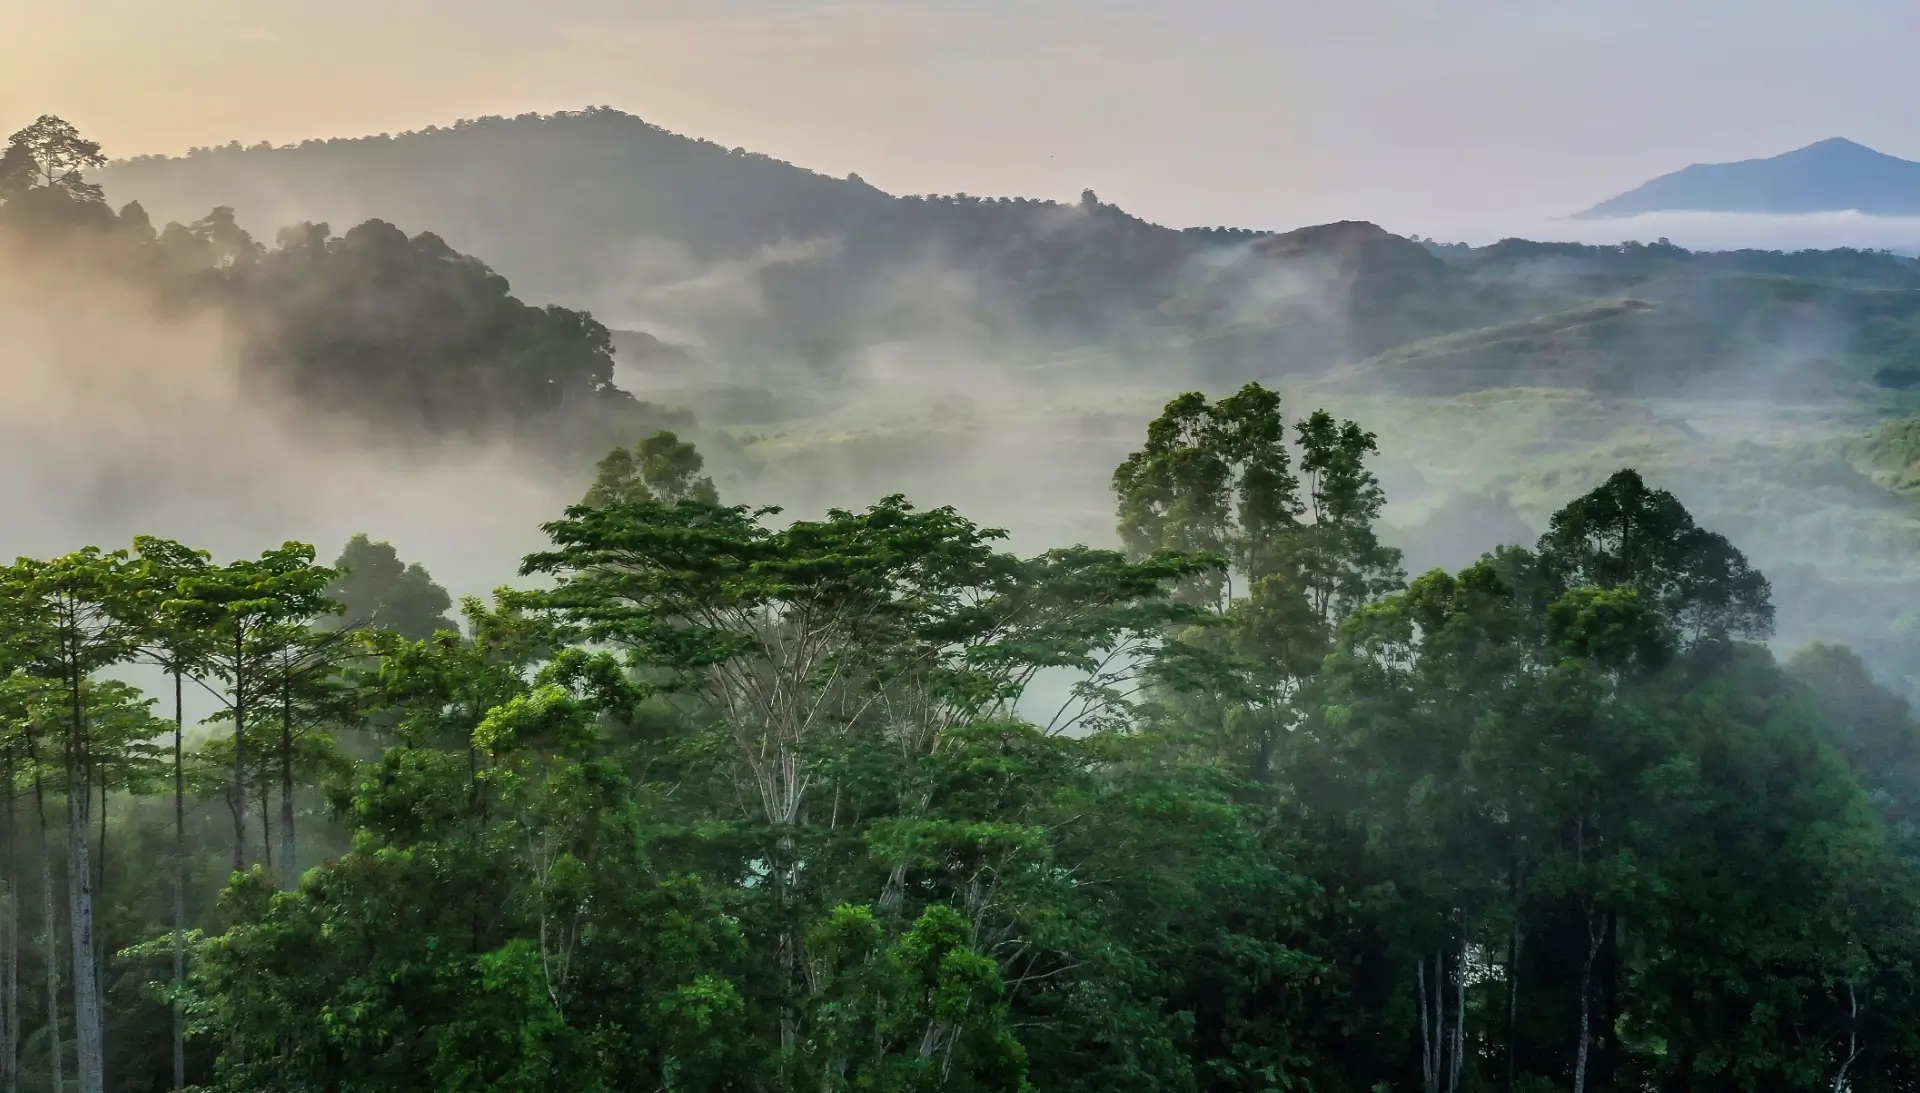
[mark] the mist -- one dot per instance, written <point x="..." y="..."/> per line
<point x="119" y="420"/>
<point x="1709" y="231"/>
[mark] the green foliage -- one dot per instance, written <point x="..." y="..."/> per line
<point x="379" y="592"/>
<point x="660" y="468"/>
<point x="742" y="803"/>
<point x="1891" y="454"/>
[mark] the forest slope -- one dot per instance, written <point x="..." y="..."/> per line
<point x="762" y="269"/>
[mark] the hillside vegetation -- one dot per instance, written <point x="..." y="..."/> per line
<point x="1464" y="708"/>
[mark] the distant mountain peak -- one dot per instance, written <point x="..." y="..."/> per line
<point x="1831" y="175"/>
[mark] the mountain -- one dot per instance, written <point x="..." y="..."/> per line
<point x="1831" y="176"/>
<point x="733" y="282"/>
<point x="755" y="264"/>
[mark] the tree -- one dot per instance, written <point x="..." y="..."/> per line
<point x="660" y="468"/>
<point x="246" y="609"/>
<point x="1625" y="534"/>
<point x="377" y="591"/>
<point x="226" y="243"/>
<point x="74" y="610"/>
<point x="896" y="624"/>
<point x="1220" y="478"/>
<point x="51" y="154"/>
<point x="172" y="643"/>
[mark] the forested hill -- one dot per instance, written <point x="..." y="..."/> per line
<point x="767" y="267"/>
<point x="755" y="260"/>
<point x="579" y="206"/>
<point x="399" y="331"/>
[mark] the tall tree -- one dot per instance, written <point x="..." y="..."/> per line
<point x="660" y="468"/>
<point x="179" y="648"/>
<point x="77" y="616"/>
<point x="51" y="154"/>
<point x="377" y="591"/>
<point x="1222" y="478"/>
<point x="245" y="607"/>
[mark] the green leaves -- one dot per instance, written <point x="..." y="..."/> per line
<point x="660" y="468"/>
<point x="1624" y="533"/>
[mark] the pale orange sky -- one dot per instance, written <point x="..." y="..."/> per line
<point x="1260" y="113"/>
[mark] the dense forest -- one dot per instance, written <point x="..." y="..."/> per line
<point x="706" y="797"/>
<point x="731" y="804"/>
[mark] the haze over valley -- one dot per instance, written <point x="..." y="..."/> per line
<point x="837" y="342"/>
<point x="679" y="597"/>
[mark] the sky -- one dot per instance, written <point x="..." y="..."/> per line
<point x="1442" y="118"/>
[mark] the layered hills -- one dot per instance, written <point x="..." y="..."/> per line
<point x="834" y="342"/>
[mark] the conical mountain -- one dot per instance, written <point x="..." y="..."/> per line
<point x="1831" y="176"/>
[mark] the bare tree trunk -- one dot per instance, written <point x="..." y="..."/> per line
<point x="1428" y="1035"/>
<point x="789" y="954"/>
<point x="1459" y="1022"/>
<point x="266" y="831"/>
<point x="179" y="882"/>
<point x="1513" y="996"/>
<point x="1513" y="960"/>
<point x="1853" y="1040"/>
<point x="289" y="873"/>
<point x="10" y="936"/>
<point x="100" y="871"/>
<point x="55" y="1049"/>
<point x="237" y="791"/>
<point x="90" y="1051"/>
<point x="1586" y="1008"/>
<point x="56" y="1054"/>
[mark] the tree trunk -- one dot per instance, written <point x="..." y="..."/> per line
<point x="1513" y="961"/>
<point x="51" y="937"/>
<point x="10" y="937"/>
<point x="1606" y="993"/>
<point x="266" y="830"/>
<point x="100" y="869"/>
<point x="1586" y="1009"/>
<point x="289" y="874"/>
<point x="1429" y="1036"/>
<point x="1459" y="1022"/>
<point x="89" y="1045"/>
<point x="179" y="882"/>
<point x="237" y="791"/>
<point x="1513" y="997"/>
<point x="1853" y="1040"/>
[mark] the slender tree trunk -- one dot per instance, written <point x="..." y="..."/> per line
<point x="1586" y="1009"/>
<point x="1513" y="998"/>
<point x="10" y="929"/>
<point x="1606" y="993"/>
<point x="237" y="791"/>
<point x="179" y="882"/>
<point x="1513" y="963"/>
<point x="1428" y="1035"/>
<point x="1459" y="1022"/>
<point x="88" y="1034"/>
<point x="100" y="870"/>
<point x="289" y="874"/>
<point x="266" y="829"/>
<point x="789" y="955"/>
<point x="1853" y="1040"/>
<point x="56" y="1053"/>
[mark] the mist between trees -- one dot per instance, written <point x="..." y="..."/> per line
<point x="737" y="802"/>
<point x="717" y="799"/>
